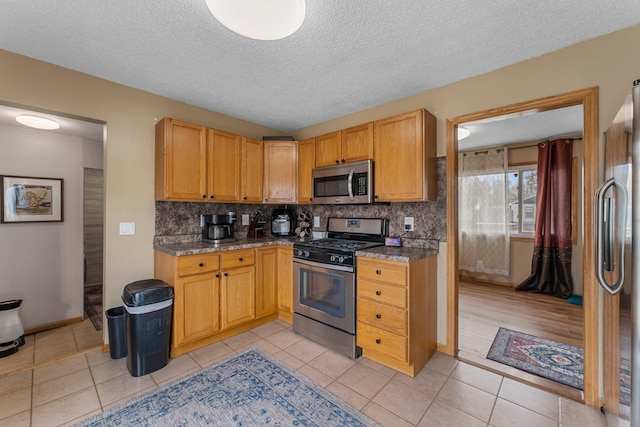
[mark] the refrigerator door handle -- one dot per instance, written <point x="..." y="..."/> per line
<point x="601" y="218"/>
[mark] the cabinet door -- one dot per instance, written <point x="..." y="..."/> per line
<point x="266" y="281"/>
<point x="328" y="149"/>
<point x="238" y="296"/>
<point x="402" y="155"/>
<point x="180" y="161"/>
<point x="280" y="172"/>
<point x="285" y="280"/>
<point x="251" y="170"/>
<point x="196" y="307"/>
<point x="306" y="163"/>
<point x="224" y="166"/>
<point x="357" y="143"/>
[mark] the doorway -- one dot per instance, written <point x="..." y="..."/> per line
<point x="93" y="231"/>
<point x="588" y="99"/>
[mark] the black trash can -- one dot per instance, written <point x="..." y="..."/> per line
<point x="116" y="322"/>
<point x="148" y="305"/>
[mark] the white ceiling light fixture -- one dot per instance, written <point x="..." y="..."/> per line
<point x="463" y="133"/>
<point x="37" y="122"/>
<point x="259" y="19"/>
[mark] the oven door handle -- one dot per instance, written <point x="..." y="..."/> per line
<point x="323" y="265"/>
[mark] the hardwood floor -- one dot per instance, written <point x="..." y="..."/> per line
<point x="483" y="308"/>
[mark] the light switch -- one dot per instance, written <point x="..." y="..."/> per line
<point x="408" y="223"/>
<point x="316" y="222"/>
<point x="127" y="228"/>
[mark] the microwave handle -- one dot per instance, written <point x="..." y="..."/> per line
<point x="350" y="184"/>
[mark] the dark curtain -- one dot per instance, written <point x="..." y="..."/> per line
<point x="551" y="263"/>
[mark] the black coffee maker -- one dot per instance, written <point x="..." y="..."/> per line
<point x="283" y="222"/>
<point x="218" y="228"/>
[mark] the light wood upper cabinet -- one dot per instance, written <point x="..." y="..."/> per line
<point x="252" y="163"/>
<point x="348" y="145"/>
<point x="357" y="143"/>
<point x="405" y="157"/>
<point x="328" y="149"/>
<point x="306" y="163"/>
<point x="280" y="172"/>
<point x="180" y="161"/>
<point x="223" y="154"/>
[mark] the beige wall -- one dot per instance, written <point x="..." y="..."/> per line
<point x="610" y="62"/>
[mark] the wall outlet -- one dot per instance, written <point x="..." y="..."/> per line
<point x="127" y="228"/>
<point x="408" y="223"/>
<point x="245" y="219"/>
<point x="316" y="222"/>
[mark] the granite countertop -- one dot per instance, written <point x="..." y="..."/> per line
<point x="199" y="247"/>
<point x="397" y="253"/>
<point x="389" y="253"/>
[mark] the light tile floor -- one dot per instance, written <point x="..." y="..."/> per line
<point x="445" y="393"/>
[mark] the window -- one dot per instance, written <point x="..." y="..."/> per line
<point x="523" y="185"/>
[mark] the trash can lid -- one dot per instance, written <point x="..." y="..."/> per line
<point x="148" y="291"/>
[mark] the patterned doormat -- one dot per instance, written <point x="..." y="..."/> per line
<point x="248" y="389"/>
<point x="549" y="359"/>
<point x="93" y="305"/>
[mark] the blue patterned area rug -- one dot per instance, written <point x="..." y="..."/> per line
<point x="249" y="389"/>
<point x="549" y="359"/>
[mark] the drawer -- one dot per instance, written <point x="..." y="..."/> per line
<point x="391" y="345"/>
<point x="382" y="316"/>
<point x="235" y="259"/>
<point x="196" y="264"/>
<point x="382" y="293"/>
<point x="383" y="272"/>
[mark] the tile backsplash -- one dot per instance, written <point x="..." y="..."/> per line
<point x="180" y="221"/>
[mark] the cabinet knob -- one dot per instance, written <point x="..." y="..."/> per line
<point x="244" y="198"/>
<point x="201" y="265"/>
<point x="226" y="274"/>
<point x="378" y="316"/>
<point x="376" y="197"/>
<point x="378" y="272"/>
<point x="204" y="196"/>
<point x="241" y="259"/>
<point x="343" y="161"/>
<point x="337" y="161"/>
<point x="378" y="293"/>
<point x="378" y="341"/>
<point x="311" y="199"/>
<point x="218" y="275"/>
<point x="212" y="196"/>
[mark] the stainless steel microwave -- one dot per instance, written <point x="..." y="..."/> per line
<point x="346" y="183"/>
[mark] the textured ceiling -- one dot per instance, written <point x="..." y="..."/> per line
<point x="348" y="55"/>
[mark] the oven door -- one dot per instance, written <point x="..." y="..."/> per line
<point x="325" y="293"/>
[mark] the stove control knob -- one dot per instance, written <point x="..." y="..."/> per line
<point x="303" y="253"/>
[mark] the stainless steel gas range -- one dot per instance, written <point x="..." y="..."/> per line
<point x="324" y="282"/>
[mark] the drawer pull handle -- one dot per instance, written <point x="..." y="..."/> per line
<point x="201" y="265"/>
<point x="378" y="272"/>
<point x="240" y="259"/>
<point x="378" y="341"/>
<point x="378" y="293"/>
<point x="378" y="316"/>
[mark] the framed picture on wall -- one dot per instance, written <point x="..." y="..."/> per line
<point x="29" y="199"/>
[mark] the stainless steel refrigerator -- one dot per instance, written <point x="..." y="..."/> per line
<point x="618" y="261"/>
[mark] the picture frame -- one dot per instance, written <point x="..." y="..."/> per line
<point x="31" y="199"/>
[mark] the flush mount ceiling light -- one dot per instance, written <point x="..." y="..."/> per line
<point x="259" y="19"/>
<point x="37" y="122"/>
<point x="463" y="133"/>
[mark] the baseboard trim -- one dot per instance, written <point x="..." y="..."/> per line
<point x="53" y="325"/>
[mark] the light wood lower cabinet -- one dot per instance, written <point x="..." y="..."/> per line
<point x="396" y="312"/>
<point x="219" y="295"/>
<point x="266" y="281"/>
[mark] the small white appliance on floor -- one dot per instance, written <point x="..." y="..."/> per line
<point x="11" y="330"/>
